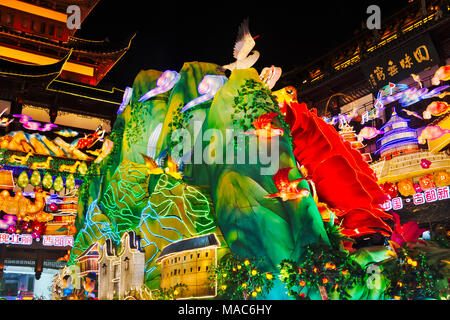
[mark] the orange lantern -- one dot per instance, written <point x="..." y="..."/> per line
<point x="426" y="182"/>
<point x="6" y="180"/>
<point x="406" y="187"/>
<point x="441" y="178"/>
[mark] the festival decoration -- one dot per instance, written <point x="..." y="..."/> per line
<point x="284" y="97"/>
<point x="390" y="189"/>
<point x="20" y="159"/>
<point x="23" y="208"/>
<point x="412" y="113"/>
<point x="369" y="133"/>
<point x="441" y="178"/>
<point x="164" y="83"/>
<point x="4" y="121"/>
<point x="41" y="165"/>
<point x="70" y="168"/>
<point x="7" y="221"/>
<point x="240" y="278"/>
<point x="417" y="188"/>
<point x="426" y="182"/>
<point x="287" y="190"/>
<point x="269" y="76"/>
<point x="104" y="151"/>
<point x="424" y="163"/>
<point x="6" y="180"/>
<point x="47" y="182"/>
<point x="263" y="126"/>
<point x="431" y="133"/>
<point x="22" y="180"/>
<point x="152" y="166"/>
<point x="32" y="125"/>
<point x="441" y="74"/>
<point x="35" y="179"/>
<point x="436" y="108"/>
<point x="173" y="169"/>
<point x="67" y="133"/>
<point x="125" y="99"/>
<point x="82" y="168"/>
<point x="242" y="48"/>
<point x="90" y="139"/>
<point x="70" y="182"/>
<point x="208" y="88"/>
<point x="408" y="232"/>
<point x="58" y="184"/>
<point x="406" y="187"/>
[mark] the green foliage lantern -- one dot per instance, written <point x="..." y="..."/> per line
<point x="22" y="180"/>
<point x="35" y="178"/>
<point x="58" y="185"/>
<point x="47" y="182"/>
<point x="70" y="182"/>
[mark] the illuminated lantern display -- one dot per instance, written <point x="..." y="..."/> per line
<point x="70" y="182"/>
<point x="406" y="187"/>
<point x="35" y="179"/>
<point x="47" y="182"/>
<point x="398" y="138"/>
<point x="58" y="185"/>
<point x="6" y="180"/>
<point x="441" y="178"/>
<point x="390" y="189"/>
<point x="22" y="180"/>
<point x="426" y="182"/>
<point x="417" y="188"/>
<point x="424" y="163"/>
<point x="82" y="168"/>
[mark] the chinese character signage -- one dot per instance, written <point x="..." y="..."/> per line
<point x="27" y="239"/>
<point x="430" y="195"/>
<point x="412" y="58"/>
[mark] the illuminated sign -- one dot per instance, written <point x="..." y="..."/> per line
<point x="412" y="58"/>
<point x="427" y="196"/>
<point x="27" y="239"/>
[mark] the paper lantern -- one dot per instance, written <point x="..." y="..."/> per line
<point x="6" y="180"/>
<point x="22" y="180"/>
<point x="390" y="189"/>
<point x="406" y="187"/>
<point x="47" y="182"/>
<point x="35" y="178"/>
<point x="426" y="182"/>
<point x="82" y="168"/>
<point x="70" y="182"/>
<point x="58" y="185"/>
<point x="441" y="178"/>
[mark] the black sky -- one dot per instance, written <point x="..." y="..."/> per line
<point x="172" y="32"/>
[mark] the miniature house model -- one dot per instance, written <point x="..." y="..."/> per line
<point x="188" y="262"/>
<point x="88" y="261"/>
<point x="121" y="272"/>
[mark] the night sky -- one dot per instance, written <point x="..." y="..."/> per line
<point x="170" y="33"/>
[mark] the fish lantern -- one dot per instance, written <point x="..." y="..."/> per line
<point x="47" y="182"/>
<point x="441" y="178"/>
<point x="426" y="182"/>
<point x="417" y="188"/>
<point x="58" y="185"/>
<point x="22" y="180"/>
<point x="35" y="179"/>
<point x="406" y="187"/>
<point x="390" y="189"/>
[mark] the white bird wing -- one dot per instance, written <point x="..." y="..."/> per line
<point x="244" y="43"/>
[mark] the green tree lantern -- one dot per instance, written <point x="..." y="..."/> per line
<point x="35" y="178"/>
<point x="70" y="182"/>
<point x="47" y="182"/>
<point x="58" y="185"/>
<point x="22" y="180"/>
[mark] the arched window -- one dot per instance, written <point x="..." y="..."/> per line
<point x="127" y="263"/>
<point x="104" y="268"/>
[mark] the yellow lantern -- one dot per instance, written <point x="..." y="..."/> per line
<point x="441" y="178"/>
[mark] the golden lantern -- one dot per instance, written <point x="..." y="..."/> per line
<point x="6" y="180"/>
<point x="406" y="187"/>
<point x="441" y="178"/>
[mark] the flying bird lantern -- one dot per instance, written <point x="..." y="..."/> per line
<point x="263" y="126"/>
<point x="243" y="53"/>
<point x="287" y="190"/>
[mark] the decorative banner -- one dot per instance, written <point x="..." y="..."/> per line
<point x="431" y="195"/>
<point x="27" y="239"/>
<point x="412" y="58"/>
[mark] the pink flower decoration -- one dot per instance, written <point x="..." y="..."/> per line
<point x="425" y="163"/>
<point x="417" y="188"/>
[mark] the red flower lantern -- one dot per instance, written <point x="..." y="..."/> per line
<point x="390" y="189"/>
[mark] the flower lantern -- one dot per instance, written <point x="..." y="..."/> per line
<point x="406" y="187"/>
<point x="426" y="182"/>
<point x="441" y="178"/>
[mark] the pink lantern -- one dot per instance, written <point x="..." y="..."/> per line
<point x="425" y="163"/>
<point x="417" y="188"/>
<point x="11" y="229"/>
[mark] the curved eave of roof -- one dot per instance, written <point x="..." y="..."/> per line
<point x="76" y="44"/>
<point x="209" y="240"/>
<point x="13" y="68"/>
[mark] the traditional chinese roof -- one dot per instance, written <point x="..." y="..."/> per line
<point x="91" y="252"/>
<point x="209" y="240"/>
